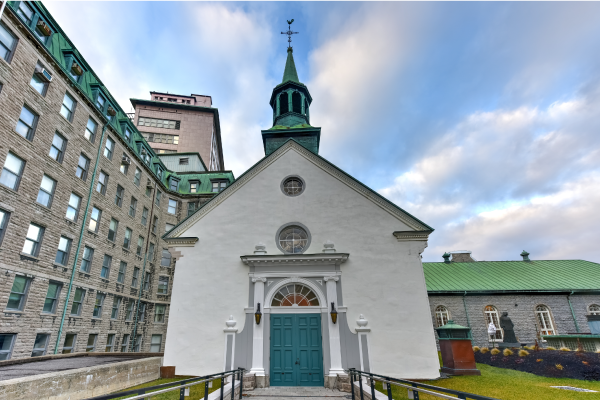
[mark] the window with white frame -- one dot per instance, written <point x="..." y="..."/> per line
<point x="52" y="297"/>
<point x="82" y="167"/>
<point x="122" y="270"/>
<point x="102" y="182"/>
<point x="12" y="171"/>
<point x="86" y="260"/>
<point x="98" y="305"/>
<point x="109" y="148"/>
<point x="68" y="107"/>
<point x="90" y="130"/>
<point x="544" y="318"/>
<point x="46" y="192"/>
<point x="155" y="343"/>
<point x="8" y="42"/>
<point x="63" y="251"/>
<point x="159" y="313"/>
<point x="491" y="315"/>
<point x="57" y="150"/>
<point x="18" y="293"/>
<point x="125" y="343"/>
<point x="106" y="263"/>
<point x="6" y="345"/>
<point x="442" y="315"/>
<point x="295" y="295"/>
<point x="73" y="207"/>
<point x="94" y="224"/>
<point x="194" y="186"/>
<point x="163" y="285"/>
<point x="27" y="123"/>
<point x="219" y="186"/>
<point x="69" y="343"/>
<point x="172" y="206"/>
<point x="110" y="343"/>
<point x="40" y="345"/>
<point x="77" y="302"/>
<point x="91" y="343"/>
<point x="594" y="309"/>
<point x="158" y="123"/>
<point x="33" y="240"/>
<point x="114" y="313"/>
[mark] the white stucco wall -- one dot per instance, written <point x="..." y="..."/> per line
<point x="383" y="278"/>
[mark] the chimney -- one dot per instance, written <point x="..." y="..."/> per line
<point x="525" y="256"/>
<point x="446" y="257"/>
<point x="462" y="256"/>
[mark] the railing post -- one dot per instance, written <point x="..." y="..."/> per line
<point x="389" y="388"/>
<point x="415" y="393"/>
<point x="462" y="396"/>
<point x="233" y="374"/>
<point x="222" y="385"/>
<point x="362" y="395"/>
<point x="182" y="392"/>
<point x="372" y="387"/>
<point x="241" y="381"/>
<point x="352" y="383"/>
<point x="206" y="390"/>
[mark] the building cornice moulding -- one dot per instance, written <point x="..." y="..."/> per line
<point x="406" y="236"/>
<point x="295" y="259"/>
<point x="181" y="241"/>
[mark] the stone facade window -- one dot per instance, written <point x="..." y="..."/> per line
<point x="109" y="148"/>
<point x="163" y="284"/>
<point x="158" y="196"/>
<point x="140" y="245"/>
<point x="137" y="344"/>
<point x="73" y="208"/>
<point x="165" y="259"/>
<point x="155" y="343"/>
<point x="491" y="315"/>
<point x="119" y="195"/>
<point x="52" y="297"/>
<point x="132" y="207"/>
<point x="191" y="208"/>
<point x="125" y="343"/>
<point x="295" y="295"/>
<point x="127" y="239"/>
<point x="57" y="150"/>
<point x="129" y="311"/>
<point x="90" y="130"/>
<point x="102" y="182"/>
<point x="106" y="264"/>
<point x="6" y="346"/>
<point x="159" y="313"/>
<point x="110" y="343"/>
<point x="40" y="345"/>
<point x="18" y="292"/>
<point x="544" y="318"/>
<point x="442" y="315"/>
<point x="147" y="278"/>
<point x="91" y="343"/>
<point x="82" y="167"/>
<point x="8" y="42"/>
<point x="168" y="227"/>
<point x="27" y="123"/>
<point x="135" y="277"/>
<point x="114" y="313"/>
<point x="77" y="302"/>
<point x="86" y="261"/>
<point x="46" y="192"/>
<point x="137" y="177"/>
<point x="95" y="220"/>
<point x="63" y="251"/>
<point x="68" y="107"/>
<point x="155" y="224"/>
<point x="4" y="217"/>
<point x="12" y="171"/>
<point x="122" y="270"/>
<point x="172" y="206"/>
<point x="112" y="229"/>
<point x="33" y="240"/>
<point x="69" y="344"/>
<point x="38" y="82"/>
<point x="144" y="216"/>
<point x="98" y="305"/>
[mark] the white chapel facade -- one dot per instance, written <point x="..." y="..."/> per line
<point x="318" y="272"/>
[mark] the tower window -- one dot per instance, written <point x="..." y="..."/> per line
<point x="297" y="103"/>
<point x="283" y="103"/>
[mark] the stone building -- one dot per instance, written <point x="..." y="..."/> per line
<point x="542" y="297"/>
<point x="84" y="200"/>
<point x="174" y="123"/>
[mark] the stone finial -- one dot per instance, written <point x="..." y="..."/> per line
<point x="260" y="248"/>
<point x="231" y="322"/>
<point x="328" y="247"/>
<point x="525" y="255"/>
<point x="361" y="321"/>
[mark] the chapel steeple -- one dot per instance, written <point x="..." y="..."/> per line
<point x="291" y="102"/>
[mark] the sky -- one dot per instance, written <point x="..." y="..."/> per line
<point x="480" y="119"/>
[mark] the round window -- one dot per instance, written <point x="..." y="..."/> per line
<point x="293" y="239"/>
<point x="292" y="185"/>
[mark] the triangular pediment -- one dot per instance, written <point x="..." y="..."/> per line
<point x="291" y="145"/>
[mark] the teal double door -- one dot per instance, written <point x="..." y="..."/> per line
<point x="296" y="350"/>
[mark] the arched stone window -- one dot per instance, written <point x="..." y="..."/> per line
<point x="544" y="318"/>
<point x="594" y="309"/>
<point x="297" y="102"/>
<point x="441" y="316"/>
<point x="491" y="315"/>
<point x="295" y="295"/>
<point x="283" y="103"/>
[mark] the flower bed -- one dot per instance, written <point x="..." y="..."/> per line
<point x="549" y="363"/>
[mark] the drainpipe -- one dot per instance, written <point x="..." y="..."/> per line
<point x="466" y="312"/>
<point x="2" y="8"/>
<point x="572" y="312"/>
<point x="137" y="306"/>
<point x="81" y="232"/>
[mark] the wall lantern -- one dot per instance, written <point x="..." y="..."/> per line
<point x="257" y="314"/>
<point x="333" y="313"/>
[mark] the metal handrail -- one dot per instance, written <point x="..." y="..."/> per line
<point x="415" y="387"/>
<point x="181" y="386"/>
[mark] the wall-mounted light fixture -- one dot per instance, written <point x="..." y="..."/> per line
<point x="257" y="314"/>
<point x="333" y="313"/>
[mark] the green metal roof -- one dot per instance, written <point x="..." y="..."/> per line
<point x="522" y="276"/>
<point x="289" y="73"/>
<point x="60" y="48"/>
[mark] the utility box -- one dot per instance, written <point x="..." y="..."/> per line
<point x="457" y="351"/>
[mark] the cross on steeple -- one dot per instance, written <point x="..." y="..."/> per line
<point x="289" y="33"/>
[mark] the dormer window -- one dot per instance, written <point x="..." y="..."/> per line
<point x="159" y="172"/>
<point x="25" y="12"/>
<point x="100" y="102"/>
<point x="194" y="186"/>
<point x="218" y="186"/>
<point x="173" y="184"/>
<point x="127" y="134"/>
<point x="73" y="65"/>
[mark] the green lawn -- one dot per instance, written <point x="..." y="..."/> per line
<point x="196" y="392"/>
<point x="507" y="384"/>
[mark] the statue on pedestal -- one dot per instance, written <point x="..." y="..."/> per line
<point x="509" y="340"/>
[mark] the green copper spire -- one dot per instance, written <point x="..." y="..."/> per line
<point x="289" y="73"/>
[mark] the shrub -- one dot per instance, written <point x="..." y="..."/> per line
<point x="475" y="349"/>
<point x="523" y="353"/>
<point x="564" y="349"/>
<point x="494" y="352"/>
<point x="507" y="352"/>
<point x="559" y="366"/>
<point x="550" y="348"/>
<point x="485" y="350"/>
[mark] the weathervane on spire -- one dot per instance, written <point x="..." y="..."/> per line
<point x="289" y="33"/>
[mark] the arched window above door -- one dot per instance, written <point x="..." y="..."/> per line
<point x="295" y="294"/>
<point x="441" y="316"/>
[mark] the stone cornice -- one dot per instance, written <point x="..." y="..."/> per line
<point x="295" y="259"/>
<point x="405" y="236"/>
<point x="395" y="211"/>
<point x="181" y="241"/>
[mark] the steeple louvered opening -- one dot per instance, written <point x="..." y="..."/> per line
<point x="297" y="102"/>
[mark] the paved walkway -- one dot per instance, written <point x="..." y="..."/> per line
<point x="301" y="393"/>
